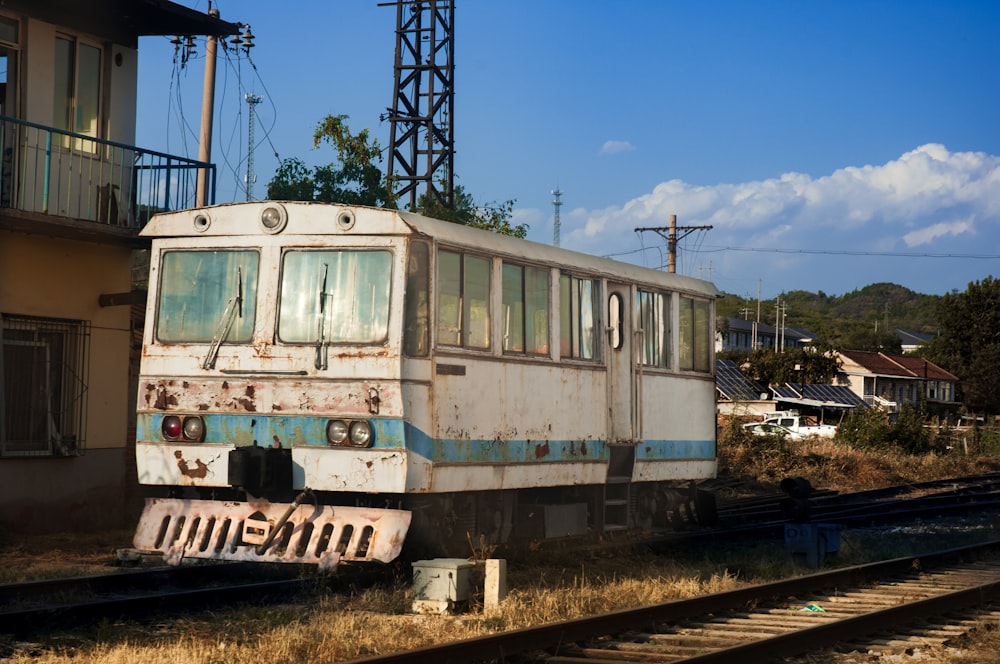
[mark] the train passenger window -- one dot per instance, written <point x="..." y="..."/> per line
<point x="695" y="335"/>
<point x="577" y="320"/>
<point x="653" y="314"/>
<point x="463" y="307"/>
<point x="416" y="327"/>
<point x="335" y="296"/>
<point x="525" y="309"/>
<point x="203" y="293"/>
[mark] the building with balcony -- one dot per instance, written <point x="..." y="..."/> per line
<point x="74" y="192"/>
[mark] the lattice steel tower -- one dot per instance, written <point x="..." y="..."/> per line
<point x="421" y="119"/>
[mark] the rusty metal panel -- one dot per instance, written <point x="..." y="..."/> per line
<point x="313" y="534"/>
<point x="351" y="469"/>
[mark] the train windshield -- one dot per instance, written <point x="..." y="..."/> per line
<point x="207" y="294"/>
<point x="335" y="296"/>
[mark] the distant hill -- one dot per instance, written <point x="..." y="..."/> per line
<point x="864" y="319"/>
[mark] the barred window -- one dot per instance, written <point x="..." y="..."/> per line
<point x="43" y="385"/>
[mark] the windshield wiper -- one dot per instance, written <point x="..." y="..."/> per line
<point x="321" y="358"/>
<point x="234" y="307"/>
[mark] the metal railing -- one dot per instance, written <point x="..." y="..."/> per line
<point x="49" y="171"/>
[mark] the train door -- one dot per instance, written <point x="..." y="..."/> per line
<point x="623" y="424"/>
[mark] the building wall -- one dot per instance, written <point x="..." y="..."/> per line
<point x="59" y="278"/>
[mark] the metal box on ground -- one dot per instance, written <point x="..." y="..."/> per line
<point x="440" y="584"/>
<point x="810" y="543"/>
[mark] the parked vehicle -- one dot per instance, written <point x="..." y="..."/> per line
<point x="767" y="429"/>
<point x="799" y="424"/>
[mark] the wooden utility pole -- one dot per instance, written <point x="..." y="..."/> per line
<point x="673" y="238"/>
<point x="207" y="106"/>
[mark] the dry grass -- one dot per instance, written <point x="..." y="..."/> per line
<point x="830" y="464"/>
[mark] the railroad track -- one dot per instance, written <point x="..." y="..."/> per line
<point x="918" y="600"/>
<point x="63" y="603"/>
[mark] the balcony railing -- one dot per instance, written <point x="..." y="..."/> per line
<point x="49" y="171"/>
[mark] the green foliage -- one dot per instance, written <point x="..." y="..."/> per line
<point x="494" y="217"/>
<point x="872" y="429"/>
<point x="969" y="343"/>
<point x="795" y="365"/>
<point x="355" y="179"/>
<point x="864" y="319"/>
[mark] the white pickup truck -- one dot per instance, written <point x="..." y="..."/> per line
<point x="797" y="424"/>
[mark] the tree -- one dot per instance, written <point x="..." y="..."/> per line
<point x="969" y="343"/>
<point x="796" y="365"/>
<point x="355" y="179"/>
<point x="494" y="217"/>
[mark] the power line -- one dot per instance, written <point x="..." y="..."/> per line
<point x="849" y="252"/>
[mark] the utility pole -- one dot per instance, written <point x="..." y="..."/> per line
<point x="207" y="107"/>
<point x="556" y="203"/>
<point x="673" y="238"/>
<point x="252" y="100"/>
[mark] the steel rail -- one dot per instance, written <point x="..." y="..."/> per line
<point x="507" y="644"/>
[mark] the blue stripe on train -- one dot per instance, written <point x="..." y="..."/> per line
<point x="310" y="431"/>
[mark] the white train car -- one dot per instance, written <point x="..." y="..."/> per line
<point x="322" y="382"/>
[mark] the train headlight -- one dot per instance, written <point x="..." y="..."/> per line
<point x="336" y="432"/>
<point x="361" y="433"/>
<point x="171" y="427"/>
<point x="273" y="218"/>
<point x="194" y="428"/>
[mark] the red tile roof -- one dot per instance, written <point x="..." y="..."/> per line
<point x="906" y="366"/>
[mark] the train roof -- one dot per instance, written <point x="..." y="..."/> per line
<point x="309" y="218"/>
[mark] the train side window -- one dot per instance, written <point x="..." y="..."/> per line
<point x="652" y="312"/>
<point x="463" y="310"/>
<point x="416" y="330"/>
<point x="525" y="296"/>
<point x="695" y="335"/>
<point x="577" y="319"/>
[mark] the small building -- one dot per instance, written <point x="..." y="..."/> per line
<point x="74" y="193"/>
<point x="892" y="381"/>
<point x="911" y="341"/>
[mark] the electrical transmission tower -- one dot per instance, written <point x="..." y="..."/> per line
<point x="253" y="100"/>
<point x="421" y="120"/>
<point x="556" y="203"/>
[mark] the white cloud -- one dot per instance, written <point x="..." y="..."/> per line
<point x="929" y="234"/>
<point x="924" y="198"/>
<point x="614" y="147"/>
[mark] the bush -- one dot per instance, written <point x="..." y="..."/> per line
<point x="872" y="429"/>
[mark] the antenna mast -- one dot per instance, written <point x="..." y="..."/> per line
<point x="556" y="203"/>
<point x="253" y="100"/>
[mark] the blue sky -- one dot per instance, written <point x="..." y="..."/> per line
<point x="830" y="144"/>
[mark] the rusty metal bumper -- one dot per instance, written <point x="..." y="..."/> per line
<point x="322" y="535"/>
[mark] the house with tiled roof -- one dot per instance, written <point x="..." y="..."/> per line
<point x="891" y="381"/>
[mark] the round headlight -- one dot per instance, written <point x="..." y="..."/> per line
<point x="273" y="218"/>
<point x="194" y="428"/>
<point x="361" y="433"/>
<point x="171" y="427"/>
<point x="336" y="432"/>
